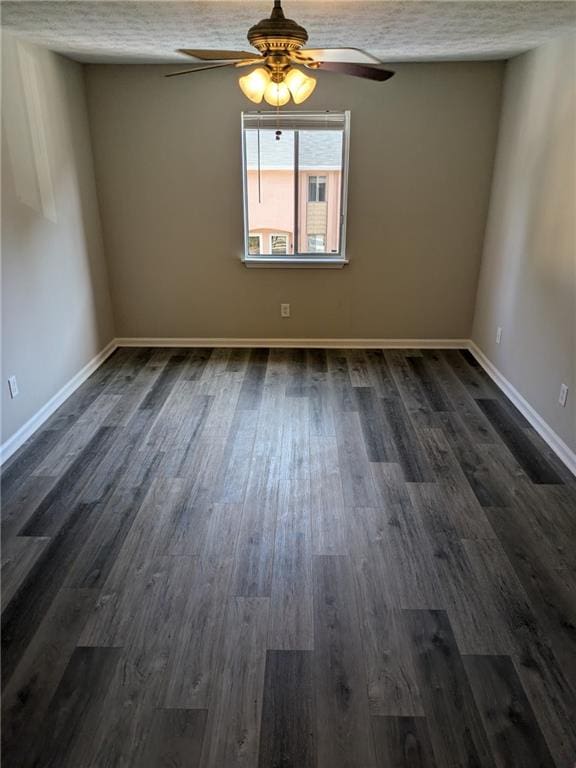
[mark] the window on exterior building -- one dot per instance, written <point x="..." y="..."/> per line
<point x="316" y="243"/>
<point x="254" y="244"/>
<point x="295" y="168"/>
<point x="316" y="189"/>
<point x="278" y="244"/>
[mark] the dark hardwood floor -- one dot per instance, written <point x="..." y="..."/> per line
<point x="288" y="558"/>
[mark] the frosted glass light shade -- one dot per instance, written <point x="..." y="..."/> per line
<point x="254" y="84"/>
<point x="277" y="94"/>
<point x="299" y="85"/>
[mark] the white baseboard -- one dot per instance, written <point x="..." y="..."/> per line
<point x="298" y="343"/>
<point x="564" y="452"/>
<point x="27" y="430"/>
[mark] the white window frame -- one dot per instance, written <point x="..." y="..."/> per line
<point x="290" y="121"/>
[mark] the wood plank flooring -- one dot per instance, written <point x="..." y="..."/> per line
<point x="280" y="558"/>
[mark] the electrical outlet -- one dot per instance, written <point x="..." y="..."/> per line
<point x="284" y="310"/>
<point x="13" y="387"/>
<point x="498" y="335"/>
<point x="563" y="395"/>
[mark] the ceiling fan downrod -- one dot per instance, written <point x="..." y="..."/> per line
<point x="277" y="33"/>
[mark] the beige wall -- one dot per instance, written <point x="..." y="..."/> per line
<point x="56" y="310"/>
<point x="528" y="279"/>
<point x="168" y="170"/>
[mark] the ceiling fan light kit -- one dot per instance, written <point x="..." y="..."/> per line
<point x="300" y="85"/>
<point x="254" y="84"/>
<point x="277" y="94"/>
<point x="280" y="44"/>
<point x="259" y="85"/>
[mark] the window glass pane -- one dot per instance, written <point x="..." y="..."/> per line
<point x="311" y="188"/>
<point x="320" y="191"/>
<point x="294" y="184"/>
<point x="270" y="189"/>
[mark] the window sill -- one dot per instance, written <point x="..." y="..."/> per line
<point x="291" y="263"/>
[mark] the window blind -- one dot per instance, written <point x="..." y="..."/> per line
<point x="289" y="121"/>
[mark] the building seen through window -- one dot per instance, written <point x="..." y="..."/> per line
<point x="294" y="189"/>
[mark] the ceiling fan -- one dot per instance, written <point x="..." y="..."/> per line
<point x="279" y="41"/>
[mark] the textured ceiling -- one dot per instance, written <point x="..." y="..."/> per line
<point x="410" y="30"/>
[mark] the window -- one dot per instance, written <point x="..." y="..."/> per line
<point x="316" y="243"/>
<point x="254" y="244"/>
<point x="295" y="167"/>
<point x="316" y="189"/>
<point x="278" y="244"/>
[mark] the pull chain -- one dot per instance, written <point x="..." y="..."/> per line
<point x="259" y="166"/>
<point x="278" y="131"/>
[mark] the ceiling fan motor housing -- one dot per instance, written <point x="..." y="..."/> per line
<point x="282" y="57"/>
<point x="277" y="34"/>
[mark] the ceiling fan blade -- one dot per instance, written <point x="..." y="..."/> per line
<point x="206" y="55"/>
<point x="248" y="62"/>
<point x="201" y="68"/>
<point x="349" y="55"/>
<point x="358" y="70"/>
